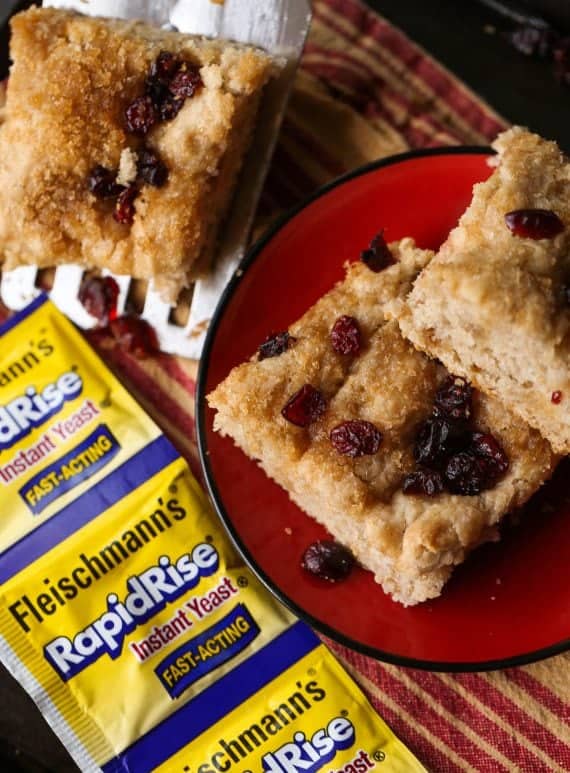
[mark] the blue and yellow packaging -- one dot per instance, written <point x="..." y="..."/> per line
<point x="126" y="613"/>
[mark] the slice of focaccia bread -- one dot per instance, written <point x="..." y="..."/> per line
<point x="341" y="433"/>
<point x="494" y="303"/>
<point x="121" y="144"/>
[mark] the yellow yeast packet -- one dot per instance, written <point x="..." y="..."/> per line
<point x="126" y="613"/>
<point x="312" y="717"/>
<point x="64" y="423"/>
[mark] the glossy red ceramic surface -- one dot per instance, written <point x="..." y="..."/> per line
<point x="509" y="603"/>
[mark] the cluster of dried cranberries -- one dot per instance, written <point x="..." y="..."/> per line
<point x="354" y="437"/>
<point x="103" y="183"/>
<point x="99" y="296"/>
<point x="170" y="82"/>
<point x="450" y="454"/>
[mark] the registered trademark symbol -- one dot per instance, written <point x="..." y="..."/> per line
<point x="74" y="368"/>
<point x="344" y="713"/>
<point x="312" y="671"/>
<point x="173" y="489"/>
<point x="106" y="402"/>
<point x="379" y="756"/>
<point x="242" y="582"/>
<point x="209" y="538"/>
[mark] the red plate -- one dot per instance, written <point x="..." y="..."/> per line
<point x="509" y="603"/>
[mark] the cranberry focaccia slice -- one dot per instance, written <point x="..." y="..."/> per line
<point x="360" y="429"/>
<point x="494" y="304"/>
<point x="121" y="144"/>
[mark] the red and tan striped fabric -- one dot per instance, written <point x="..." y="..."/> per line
<point x="365" y="91"/>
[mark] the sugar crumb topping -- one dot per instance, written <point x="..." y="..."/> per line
<point x="127" y="167"/>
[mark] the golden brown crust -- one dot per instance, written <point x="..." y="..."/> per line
<point x="492" y="305"/>
<point x="410" y="543"/>
<point x="71" y="80"/>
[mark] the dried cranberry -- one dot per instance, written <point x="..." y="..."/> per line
<point x="150" y="169"/>
<point x="356" y="438"/>
<point x="328" y="560"/>
<point x="170" y="82"/>
<point x="345" y="336"/>
<point x="102" y="183"/>
<point x="378" y="256"/>
<point x="556" y="397"/>
<point x="533" y="41"/>
<point x="186" y="81"/>
<point x="305" y="407"/>
<point x="466" y="474"/>
<point x="157" y="90"/>
<point x="428" y="482"/>
<point x="274" y="345"/>
<point x="162" y="71"/>
<point x="125" y="208"/>
<point x="99" y="295"/>
<point x="436" y="439"/>
<point x="485" y="446"/>
<point x="141" y="116"/>
<point x="134" y="335"/>
<point x="453" y="399"/>
<point x="534" y="223"/>
<point x="164" y="66"/>
<point x="170" y="107"/>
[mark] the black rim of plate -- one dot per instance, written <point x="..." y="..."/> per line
<point x="319" y="625"/>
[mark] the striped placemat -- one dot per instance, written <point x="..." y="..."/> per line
<point x="365" y="91"/>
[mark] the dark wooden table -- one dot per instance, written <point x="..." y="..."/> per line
<point x="469" y="39"/>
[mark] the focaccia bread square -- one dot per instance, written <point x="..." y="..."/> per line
<point x="72" y="79"/>
<point x="494" y="303"/>
<point x="410" y="542"/>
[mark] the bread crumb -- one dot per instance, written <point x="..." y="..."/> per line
<point x="127" y="167"/>
<point x="288" y="531"/>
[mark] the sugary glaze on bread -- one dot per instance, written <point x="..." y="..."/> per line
<point x="493" y="306"/>
<point x="410" y="543"/>
<point x="72" y="78"/>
